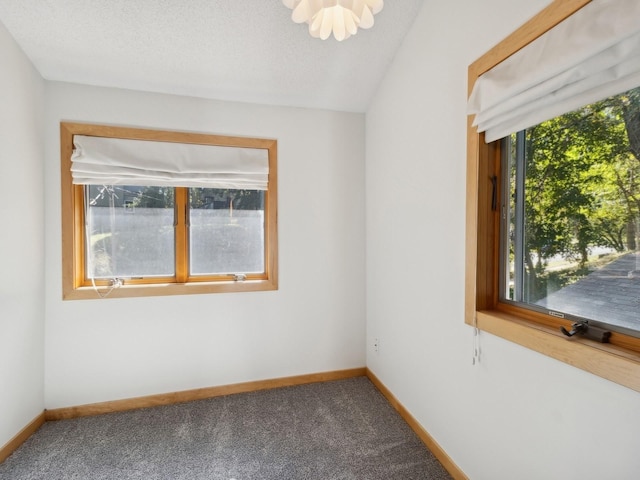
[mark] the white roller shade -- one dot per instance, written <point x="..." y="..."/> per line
<point x="593" y="54"/>
<point x="117" y="161"/>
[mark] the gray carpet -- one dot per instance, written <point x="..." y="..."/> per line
<point x="335" y="430"/>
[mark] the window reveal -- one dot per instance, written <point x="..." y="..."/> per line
<point x="571" y="212"/>
<point x="568" y="27"/>
<point x="165" y="226"/>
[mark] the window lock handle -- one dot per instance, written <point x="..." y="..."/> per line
<point x="577" y="327"/>
<point x="494" y="193"/>
<point x="587" y="331"/>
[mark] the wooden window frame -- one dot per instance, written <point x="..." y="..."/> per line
<point x="74" y="284"/>
<point x="618" y="361"/>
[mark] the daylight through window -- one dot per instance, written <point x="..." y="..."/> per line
<point x="553" y="170"/>
<point x="158" y="213"/>
<point x="571" y="215"/>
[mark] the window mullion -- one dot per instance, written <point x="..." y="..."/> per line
<point x="80" y="236"/>
<point x="519" y="218"/>
<point x="181" y="234"/>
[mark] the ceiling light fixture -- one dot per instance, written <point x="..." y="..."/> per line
<point x="342" y="17"/>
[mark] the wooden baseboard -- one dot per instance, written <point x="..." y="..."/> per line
<point x="210" y="392"/>
<point x="427" y="439"/>
<point x="197" y="394"/>
<point x="21" y="437"/>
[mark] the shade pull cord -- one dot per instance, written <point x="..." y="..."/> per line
<point x="114" y="282"/>
<point x="476" y="341"/>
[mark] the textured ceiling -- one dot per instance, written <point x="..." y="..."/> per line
<point x="239" y="50"/>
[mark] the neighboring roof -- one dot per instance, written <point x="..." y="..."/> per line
<point x="610" y="294"/>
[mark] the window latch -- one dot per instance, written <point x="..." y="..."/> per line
<point x="239" y="277"/>
<point x="587" y="331"/>
<point x="494" y="193"/>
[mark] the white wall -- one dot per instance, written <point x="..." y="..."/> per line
<point x="21" y="240"/>
<point x="517" y="415"/>
<point x="98" y="350"/>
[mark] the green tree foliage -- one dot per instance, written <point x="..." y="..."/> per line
<point x="155" y="197"/>
<point x="215" y="198"/>
<point x="582" y="182"/>
<point x="206" y="198"/>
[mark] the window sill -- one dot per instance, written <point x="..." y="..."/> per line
<point x="612" y="363"/>
<point x="130" y="291"/>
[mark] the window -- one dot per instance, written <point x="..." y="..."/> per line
<point x="148" y="212"/>
<point x="570" y="214"/>
<point x="532" y="243"/>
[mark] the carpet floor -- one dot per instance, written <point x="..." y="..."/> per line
<point x="342" y="430"/>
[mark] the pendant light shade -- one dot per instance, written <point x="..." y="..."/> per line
<point x="340" y="17"/>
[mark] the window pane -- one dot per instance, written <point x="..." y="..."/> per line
<point x="130" y="231"/>
<point x="226" y="231"/>
<point x="572" y="213"/>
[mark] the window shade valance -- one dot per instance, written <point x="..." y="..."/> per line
<point x="117" y="161"/>
<point x="593" y="54"/>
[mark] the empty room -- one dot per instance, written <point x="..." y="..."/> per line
<point x="320" y="239"/>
